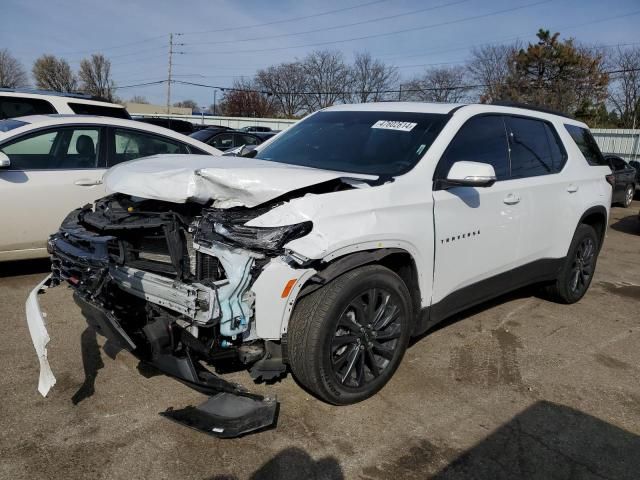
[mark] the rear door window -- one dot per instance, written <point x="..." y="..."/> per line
<point x="530" y="151"/>
<point x="481" y="139"/>
<point x="11" y="107"/>
<point x="587" y="145"/>
<point x="133" y="144"/>
<point x="223" y="141"/>
<point x="242" y="139"/>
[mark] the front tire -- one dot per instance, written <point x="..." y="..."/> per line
<point x="577" y="272"/>
<point x="346" y="339"/>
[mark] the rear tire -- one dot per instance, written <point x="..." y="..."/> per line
<point x="628" y="196"/>
<point x="346" y="339"/>
<point x="577" y="272"/>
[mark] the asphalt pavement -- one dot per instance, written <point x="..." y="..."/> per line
<point x="516" y="388"/>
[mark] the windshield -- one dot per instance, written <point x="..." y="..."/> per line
<point x="375" y="143"/>
<point x="6" y="125"/>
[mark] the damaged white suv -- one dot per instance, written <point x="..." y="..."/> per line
<point x="356" y="229"/>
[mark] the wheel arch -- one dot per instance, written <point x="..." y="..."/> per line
<point x="398" y="260"/>
<point x="596" y="217"/>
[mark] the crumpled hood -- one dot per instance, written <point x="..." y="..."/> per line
<point x="229" y="181"/>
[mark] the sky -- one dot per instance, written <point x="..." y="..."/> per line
<point x="220" y="40"/>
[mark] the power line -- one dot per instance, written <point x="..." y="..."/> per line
<point x="287" y="20"/>
<point x="342" y="92"/>
<point x="385" y="34"/>
<point x="517" y="37"/>
<point x="335" y="27"/>
<point x="158" y="82"/>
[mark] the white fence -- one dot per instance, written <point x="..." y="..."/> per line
<point x="623" y="142"/>
<point x="231" y="122"/>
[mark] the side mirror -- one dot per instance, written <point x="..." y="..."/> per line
<point x="241" y="151"/>
<point x="470" y="174"/>
<point x="5" y="162"/>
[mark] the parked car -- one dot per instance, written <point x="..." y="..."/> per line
<point x="200" y="126"/>
<point x="351" y="232"/>
<point x="264" y="136"/>
<point x="52" y="163"/>
<point x="21" y="102"/>
<point x="223" y="139"/>
<point x="636" y="164"/>
<point x="256" y="129"/>
<point x="625" y="177"/>
<point x="180" y="126"/>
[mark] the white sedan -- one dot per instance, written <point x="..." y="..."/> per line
<point x="52" y="164"/>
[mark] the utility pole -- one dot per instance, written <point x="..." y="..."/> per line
<point x="169" y="73"/>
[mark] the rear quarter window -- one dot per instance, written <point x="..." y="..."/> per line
<point x="587" y="145"/>
<point x="87" y="109"/>
<point x="11" y="107"/>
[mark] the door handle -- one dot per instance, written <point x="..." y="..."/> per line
<point x="86" y="182"/>
<point x="572" y="188"/>
<point x="511" y="199"/>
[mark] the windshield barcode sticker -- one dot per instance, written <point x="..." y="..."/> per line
<point x="393" y="125"/>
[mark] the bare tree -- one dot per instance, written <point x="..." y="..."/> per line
<point x="370" y="78"/>
<point x="95" y="75"/>
<point x="327" y="78"/>
<point x="437" y="85"/>
<point x="624" y="93"/>
<point x="286" y="82"/>
<point x="245" y="100"/>
<point x="51" y="73"/>
<point x="138" y="99"/>
<point x="12" y="74"/>
<point x="187" y="104"/>
<point x="490" y="67"/>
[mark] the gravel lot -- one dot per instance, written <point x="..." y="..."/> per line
<point x="518" y="388"/>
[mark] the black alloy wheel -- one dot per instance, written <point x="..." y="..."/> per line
<point x="366" y="338"/>
<point x="582" y="267"/>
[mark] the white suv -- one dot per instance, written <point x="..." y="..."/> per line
<point x="18" y="103"/>
<point x="356" y="229"/>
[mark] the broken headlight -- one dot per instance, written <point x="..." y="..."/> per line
<point x="252" y="238"/>
<point x="262" y="238"/>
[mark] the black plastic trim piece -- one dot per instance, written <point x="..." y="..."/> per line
<point x="227" y="416"/>
<point x="538" y="271"/>
<point x="104" y="323"/>
<point x="601" y="210"/>
<point x="345" y="264"/>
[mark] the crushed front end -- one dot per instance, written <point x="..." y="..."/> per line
<point x="172" y="284"/>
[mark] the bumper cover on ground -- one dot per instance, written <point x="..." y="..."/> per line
<point x="227" y="416"/>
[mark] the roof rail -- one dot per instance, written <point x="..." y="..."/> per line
<point x="83" y="96"/>
<point x="509" y="103"/>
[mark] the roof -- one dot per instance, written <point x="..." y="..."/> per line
<point x="413" y="107"/>
<point x="450" y="108"/>
<point x="35" y="91"/>
<point x="77" y="97"/>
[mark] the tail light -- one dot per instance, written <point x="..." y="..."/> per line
<point x="611" y="179"/>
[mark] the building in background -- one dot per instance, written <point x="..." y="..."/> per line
<point x="148" y="108"/>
